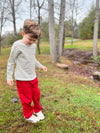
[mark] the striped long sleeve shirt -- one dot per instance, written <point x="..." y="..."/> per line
<point x="23" y="56"/>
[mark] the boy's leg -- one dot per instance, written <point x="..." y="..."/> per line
<point x="36" y="95"/>
<point x="25" y="93"/>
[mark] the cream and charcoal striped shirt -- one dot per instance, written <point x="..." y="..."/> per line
<point x="23" y="56"/>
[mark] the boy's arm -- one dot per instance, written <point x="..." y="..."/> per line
<point x="10" y="64"/>
<point x="39" y="65"/>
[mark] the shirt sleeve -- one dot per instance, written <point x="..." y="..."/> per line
<point x="11" y="62"/>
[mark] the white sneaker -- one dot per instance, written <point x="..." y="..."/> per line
<point x="40" y="115"/>
<point x="32" y="119"/>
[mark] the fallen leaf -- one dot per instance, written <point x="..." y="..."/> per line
<point x="55" y="100"/>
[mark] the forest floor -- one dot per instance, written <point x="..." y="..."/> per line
<point x="82" y="61"/>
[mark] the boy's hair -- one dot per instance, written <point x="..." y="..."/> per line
<point x="32" y="28"/>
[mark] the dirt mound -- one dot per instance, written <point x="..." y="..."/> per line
<point x="82" y="61"/>
<point x="79" y="56"/>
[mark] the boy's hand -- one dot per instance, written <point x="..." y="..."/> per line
<point x="44" y="68"/>
<point x="10" y="82"/>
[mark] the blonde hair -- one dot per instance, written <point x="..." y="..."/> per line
<point x="32" y="28"/>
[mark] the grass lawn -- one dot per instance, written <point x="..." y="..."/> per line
<point x="82" y="44"/>
<point x="79" y="44"/>
<point x="71" y="102"/>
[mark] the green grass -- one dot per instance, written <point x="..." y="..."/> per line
<point x="71" y="102"/>
<point x="79" y="44"/>
<point x="82" y="44"/>
<point x="67" y="38"/>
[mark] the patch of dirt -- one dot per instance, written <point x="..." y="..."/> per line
<point x="82" y="62"/>
<point x="79" y="56"/>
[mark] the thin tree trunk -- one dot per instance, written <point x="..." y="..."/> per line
<point x="63" y="40"/>
<point x="72" y="34"/>
<point x="96" y="23"/>
<point x="15" y="33"/>
<point x="30" y="9"/>
<point x="14" y="19"/>
<point x="39" y="22"/>
<point x="73" y="6"/>
<point x="38" y="46"/>
<point x="2" y="20"/>
<point x="53" y="51"/>
<point x="38" y="42"/>
<point x="61" y="30"/>
<point x="0" y="43"/>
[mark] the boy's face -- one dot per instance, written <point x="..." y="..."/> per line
<point x="27" y="39"/>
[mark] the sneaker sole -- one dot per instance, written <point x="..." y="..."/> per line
<point x="30" y="121"/>
<point x="42" y="119"/>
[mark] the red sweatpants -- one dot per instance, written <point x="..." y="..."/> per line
<point x="28" y="91"/>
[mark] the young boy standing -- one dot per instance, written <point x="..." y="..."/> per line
<point x="23" y="55"/>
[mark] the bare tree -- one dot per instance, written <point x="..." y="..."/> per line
<point x="39" y="6"/>
<point x="96" y="23"/>
<point x="74" y="14"/>
<point x="72" y="7"/>
<point x="61" y="30"/>
<point x="56" y="52"/>
<point x="53" y="52"/>
<point x="2" y="18"/>
<point x="13" y="6"/>
<point x="31" y="9"/>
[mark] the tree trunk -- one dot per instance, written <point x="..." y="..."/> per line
<point x="72" y="33"/>
<point x="39" y="21"/>
<point x="73" y="6"/>
<point x="38" y="42"/>
<point x="0" y="43"/>
<point x="63" y="40"/>
<point x="30" y="9"/>
<point x="53" y="52"/>
<point x="15" y="33"/>
<point x="38" y="46"/>
<point x="14" y="20"/>
<point x="96" y="23"/>
<point x="61" y="30"/>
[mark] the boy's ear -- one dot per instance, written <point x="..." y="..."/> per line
<point x="23" y="33"/>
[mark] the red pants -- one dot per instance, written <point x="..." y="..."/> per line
<point x="28" y="91"/>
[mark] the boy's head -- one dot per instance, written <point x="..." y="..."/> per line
<point x="31" y="31"/>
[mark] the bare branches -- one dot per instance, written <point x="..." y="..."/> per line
<point x="2" y="14"/>
<point x="40" y="5"/>
<point x="13" y="7"/>
<point x="2" y="18"/>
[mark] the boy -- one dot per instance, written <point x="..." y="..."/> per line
<point x="23" y="55"/>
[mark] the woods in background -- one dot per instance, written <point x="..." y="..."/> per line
<point x="63" y="19"/>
